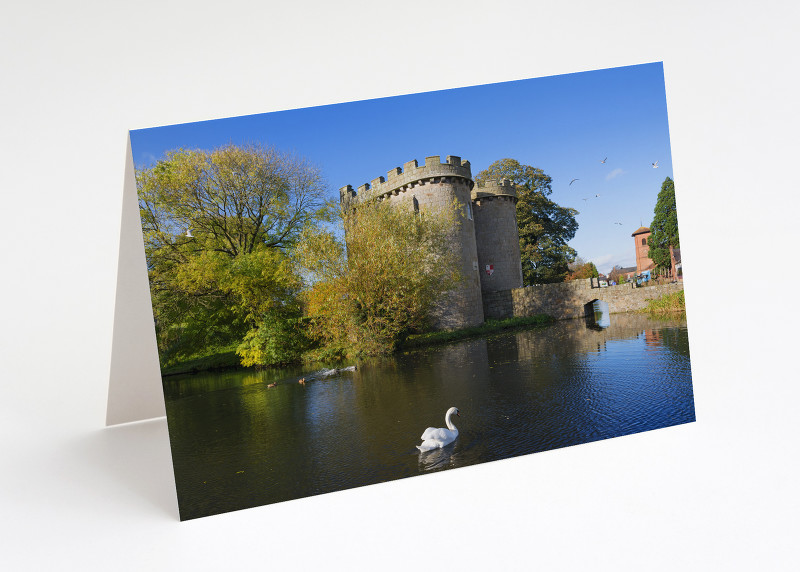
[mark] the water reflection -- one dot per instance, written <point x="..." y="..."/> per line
<point x="437" y="458"/>
<point x="238" y="443"/>
<point x="597" y="315"/>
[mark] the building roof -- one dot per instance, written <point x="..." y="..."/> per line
<point x="641" y="230"/>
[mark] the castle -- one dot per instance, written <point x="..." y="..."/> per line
<point x="487" y="240"/>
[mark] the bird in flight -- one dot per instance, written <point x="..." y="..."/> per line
<point x="572" y="181"/>
<point x="604" y="160"/>
<point x="189" y="233"/>
<point x="654" y="165"/>
<point x="597" y="195"/>
<point x="619" y="223"/>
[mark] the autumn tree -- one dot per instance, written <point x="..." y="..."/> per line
<point x="218" y="229"/>
<point x="664" y="228"/>
<point x="579" y="268"/>
<point x="380" y="284"/>
<point x="544" y="226"/>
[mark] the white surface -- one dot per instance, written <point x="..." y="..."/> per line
<point x="719" y="494"/>
<point x="134" y="387"/>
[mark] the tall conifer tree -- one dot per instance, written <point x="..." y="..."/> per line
<point x="664" y="228"/>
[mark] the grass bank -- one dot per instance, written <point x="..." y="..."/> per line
<point x="221" y="359"/>
<point x="667" y="305"/>
<point x="488" y="327"/>
<point x="226" y="358"/>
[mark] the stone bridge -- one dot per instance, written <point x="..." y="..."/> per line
<point x="570" y="299"/>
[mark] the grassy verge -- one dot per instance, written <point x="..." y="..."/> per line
<point x="488" y="327"/>
<point x="225" y="358"/>
<point x="667" y="305"/>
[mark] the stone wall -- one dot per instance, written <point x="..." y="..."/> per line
<point x="567" y="299"/>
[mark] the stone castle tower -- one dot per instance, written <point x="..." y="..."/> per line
<point x="487" y="239"/>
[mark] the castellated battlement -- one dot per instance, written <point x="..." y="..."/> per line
<point x="410" y="175"/>
<point x="494" y="189"/>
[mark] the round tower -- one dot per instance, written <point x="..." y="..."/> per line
<point x="435" y="185"/>
<point x="497" y="235"/>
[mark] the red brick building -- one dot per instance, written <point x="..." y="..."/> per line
<point x="643" y="261"/>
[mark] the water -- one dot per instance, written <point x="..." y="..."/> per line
<point x="237" y="443"/>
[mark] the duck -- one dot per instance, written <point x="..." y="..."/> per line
<point x="302" y="381"/>
<point x="272" y="384"/>
<point x="436" y="438"/>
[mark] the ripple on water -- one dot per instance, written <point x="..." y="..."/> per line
<point x="238" y="443"/>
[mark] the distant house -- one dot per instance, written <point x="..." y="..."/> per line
<point x="620" y="275"/>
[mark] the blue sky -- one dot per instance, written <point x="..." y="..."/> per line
<point x="565" y="125"/>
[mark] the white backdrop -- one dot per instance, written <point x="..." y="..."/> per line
<point x="720" y="493"/>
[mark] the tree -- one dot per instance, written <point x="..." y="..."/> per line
<point x="579" y="268"/>
<point x="218" y="228"/>
<point x="380" y="284"/>
<point x="664" y="228"/>
<point x="544" y="226"/>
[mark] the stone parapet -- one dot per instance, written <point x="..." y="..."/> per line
<point x="504" y="188"/>
<point x="567" y="300"/>
<point x="411" y="174"/>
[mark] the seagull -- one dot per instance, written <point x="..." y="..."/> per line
<point x="654" y="165"/>
<point x="189" y="233"/>
<point x="619" y="223"/>
<point x="604" y="160"/>
<point x="572" y="181"/>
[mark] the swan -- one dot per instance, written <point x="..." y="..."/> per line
<point x="434" y="438"/>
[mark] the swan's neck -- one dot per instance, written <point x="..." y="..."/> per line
<point x="449" y="422"/>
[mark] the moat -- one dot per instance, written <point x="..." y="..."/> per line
<point x="237" y="443"/>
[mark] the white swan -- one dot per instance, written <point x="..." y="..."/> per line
<point x="434" y="438"/>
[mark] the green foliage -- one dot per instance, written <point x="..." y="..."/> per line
<point x="667" y="304"/>
<point x="278" y="340"/>
<point x="664" y="228"/>
<point x="373" y="290"/>
<point x="544" y="226"/>
<point x="218" y="230"/>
